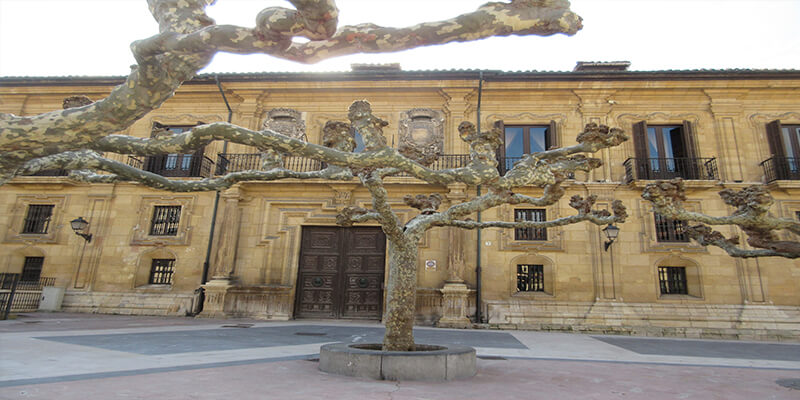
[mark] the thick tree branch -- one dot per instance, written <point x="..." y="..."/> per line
<point x="84" y="161"/>
<point x="752" y="215"/>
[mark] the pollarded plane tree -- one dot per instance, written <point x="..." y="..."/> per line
<point x="74" y="137"/>
<point x="751" y="215"/>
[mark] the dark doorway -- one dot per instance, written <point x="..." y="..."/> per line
<point x="341" y="273"/>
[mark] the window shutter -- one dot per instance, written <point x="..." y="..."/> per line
<point x="774" y="139"/>
<point x="553" y="139"/>
<point x="690" y="140"/>
<point x="640" y="141"/>
<point x="501" y="151"/>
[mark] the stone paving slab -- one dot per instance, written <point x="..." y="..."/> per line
<point x="705" y="348"/>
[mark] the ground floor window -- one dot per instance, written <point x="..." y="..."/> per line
<point x="32" y="269"/>
<point x="672" y="280"/>
<point x="530" y="278"/>
<point x="161" y="271"/>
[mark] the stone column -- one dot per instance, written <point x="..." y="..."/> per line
<point x="455" y="293"/>
<point x="226" y="237"/>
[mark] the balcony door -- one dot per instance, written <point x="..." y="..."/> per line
<point x="175" y="164"/>
<point x="784" y="143"/>
<point x="666" y="151"/>
<point x="519" y="140"/>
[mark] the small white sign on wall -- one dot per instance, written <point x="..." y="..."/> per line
<point x="430" y="265"/>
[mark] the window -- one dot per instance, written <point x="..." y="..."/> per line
<point x="669" y="230"/>
<point x="175" y="164"/>
<point x="666" y="152"/>
<point x="784" y="144"/>
<point x="530" y="278"/>
<point x="161" y="271"/>
<point x="519" y="140"/>
<point x="672" y="280"/>
<point x="530" y="214"/>
<point x="166" y="220"/>
<point x="37" y="220"/>
<point x="32" y="269"/>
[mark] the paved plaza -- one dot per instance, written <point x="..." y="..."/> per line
<point x="86" y="356"/>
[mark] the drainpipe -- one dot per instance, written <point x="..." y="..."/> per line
<point x="206" y="264"/>
<point x="478" y="318"/>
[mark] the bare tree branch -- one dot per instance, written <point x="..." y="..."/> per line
<point x="751" y="215"/>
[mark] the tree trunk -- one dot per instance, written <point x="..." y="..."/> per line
<point x="401" y="295"/>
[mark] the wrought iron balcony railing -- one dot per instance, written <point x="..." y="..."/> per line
<point x="669" y="168"/>
<point x="52" y="172"/>
<point x="174" y="165"/>
<point x="232" y="162"/>
<point x="781" y="169"/>
<point x="235" y="162"/>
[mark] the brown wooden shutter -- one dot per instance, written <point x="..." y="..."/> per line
<point x="640" y="140"/>
<point x="501" y="151"/>
<point x="553" y="140"/>
<point x="690" y="140"/>
<point x="774" y="139"/>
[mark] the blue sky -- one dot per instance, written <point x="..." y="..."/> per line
<point x="91" y="37"/>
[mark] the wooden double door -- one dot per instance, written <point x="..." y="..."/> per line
<point x="341" y="273"/>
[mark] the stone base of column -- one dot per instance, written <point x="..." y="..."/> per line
<point x="215" y="292"/>
<point x="455" y="301"/>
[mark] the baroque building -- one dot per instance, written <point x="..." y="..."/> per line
<point x="272" y="250"/>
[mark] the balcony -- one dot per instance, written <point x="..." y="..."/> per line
<point x="781" y="169"/>
<point x="52" y="172"/>
<point x="235" y="162"/>
<point x="232" y="162"/>
<point x="174" y="165"/>
<point x="670" y="168"/>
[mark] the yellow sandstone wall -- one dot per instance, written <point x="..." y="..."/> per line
<point x="586" y="288"/>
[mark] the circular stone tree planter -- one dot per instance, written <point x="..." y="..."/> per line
<point x="427" y="363"/>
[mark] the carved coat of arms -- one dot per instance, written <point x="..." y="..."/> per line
<point x="421" y="135"/>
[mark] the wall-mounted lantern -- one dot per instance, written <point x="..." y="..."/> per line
<point x="611" y="232"/>
<point x="79" y="225"/>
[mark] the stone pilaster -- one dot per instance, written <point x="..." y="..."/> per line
<point x="455" y="254"/>
<point x="727" y="109"/>
<point x="226" y="235"/>
<point x="457" y="108"/>
<point x="595" y="107"/>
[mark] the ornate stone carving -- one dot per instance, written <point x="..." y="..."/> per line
<point x="286" y="121"/>
<point x="421" y="135"/>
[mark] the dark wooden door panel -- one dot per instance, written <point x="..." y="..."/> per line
<point x="341" y="273"/>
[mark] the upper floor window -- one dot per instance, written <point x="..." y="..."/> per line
<point x="667" y="151"/>
<point x="669" y="230"/>
<point x="175" y="164"/>
<point x="519" y="140"/>
<point x="37" y="220"/>
<point x="166" y="220"/>
<point x="784" y="145"/>
<point x="530" y="278"/>
<point x="530" y="214"/>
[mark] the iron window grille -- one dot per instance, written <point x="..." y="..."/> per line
<point x="530" y="214"/>
<point x="669" y="230"/>
<point x="161" y="271"/>
<point x="166" y="220"/>
<point x="32" y="269"/>
<point x="37" y="220"/>
<point x="530" y="278"/>
<point x="672" y="280"/>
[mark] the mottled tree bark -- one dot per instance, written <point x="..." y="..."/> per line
<point x="401" y="295"/>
